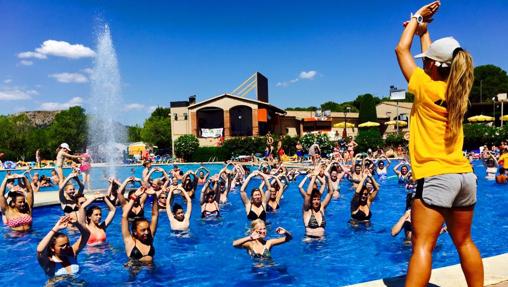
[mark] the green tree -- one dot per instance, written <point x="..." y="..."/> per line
<point x="185" y="146"/>
<point x="134" y="133"/>
<point x="367" y="107"/>
<point x="493" y="80"/>
<point x="336" y="107"/>
<point x="157" y="129"/>
<point x="69" y="126"/>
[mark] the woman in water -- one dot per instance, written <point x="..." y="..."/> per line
<point x="137" y="210"/>
<point x="62" y="154"/>
<point x="255" y="206"/>
<point x="404" y="171"/>
<point x="382" y="169"/>
<point x="446" y="184"/>
<point x="209" y="199"/>
<point x="178" y="219"/>
<point x="93" y="219"/>
<point x="139" y="243"/>
<point x="202" y="176"/>
<point x="69" y="197"/>
<point x="55" y="253"/>
<point x="314" y="209"/>
<point x="273" y="194"/>
<point x="17" y="212"/>
<point x="256" y="243"/>
<point x="491" y="166"/>
<point x="365" y="193"/>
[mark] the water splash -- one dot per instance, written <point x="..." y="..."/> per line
<point x="105" y="104"/>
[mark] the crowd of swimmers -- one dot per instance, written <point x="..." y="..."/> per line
<point x="318" y="186"/>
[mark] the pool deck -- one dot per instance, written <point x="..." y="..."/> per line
<point x="496" y="271"/>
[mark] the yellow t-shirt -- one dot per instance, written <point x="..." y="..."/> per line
<point x="431" y="154"/>
<point x="504" y="158"/>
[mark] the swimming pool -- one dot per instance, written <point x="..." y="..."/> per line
<point x="206" y="257"/>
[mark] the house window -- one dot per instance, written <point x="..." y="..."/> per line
<point x="185" y="116"/>
<point x="176" y="116"/>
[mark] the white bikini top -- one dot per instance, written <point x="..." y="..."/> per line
<point x="61" y="270"/>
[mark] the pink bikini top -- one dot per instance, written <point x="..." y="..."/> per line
<point x="24" y="219"/>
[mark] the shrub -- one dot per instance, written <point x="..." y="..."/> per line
<point x="204" y="154"/>
<point x="368" y="138"/>
<point x="395" y="140"/>
<point x="185" y="146"/>
<point x="476" y="135"/>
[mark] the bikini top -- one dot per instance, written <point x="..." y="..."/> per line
<point x="23" y="219"/>
<point x="361" y="216"/>
<point x="253" y="216"/>
<point x="136" y="254"/>
<point x="265" y="254"/>
<point x="68" y="208"/>
<point x="313" y="224"/>
<point x="131" y="216"/>
<point x="269" y="208"/>
<point x="60" y="269"/>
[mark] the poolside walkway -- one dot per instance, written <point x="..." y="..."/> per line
<point x="496" y="272"/>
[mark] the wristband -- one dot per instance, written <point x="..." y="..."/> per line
<point x="53" y="230"/>
<point x="133" y="197"/>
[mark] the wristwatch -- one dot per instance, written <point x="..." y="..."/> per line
<point x="418" y="17"/>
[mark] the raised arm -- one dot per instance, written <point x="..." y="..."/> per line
<point x="3" y="202"/>
<point x="188" y="210"/>
<point x="301" y="186"/>
<point x="83" y="230"/>
<point x="243" y="193"/>
<point x="329" y="193"/>
<point x="276" y="241"/>
<point x="403" y="49"/>
<point x="126" y="235"/>
<point x="306" y="201"/>
<point x="111" y="213"/>
<point x="155" y="215"/>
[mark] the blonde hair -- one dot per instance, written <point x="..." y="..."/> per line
<point x="255" y="223"/>
<point x="460" y="82"/>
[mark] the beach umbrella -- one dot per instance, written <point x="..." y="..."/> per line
<point x="480" y="118"/>
<point x="394" y="123"/>
<point x="504" y="118"/>
<point x="368" y="125"/>
<point x="341" y="125"/>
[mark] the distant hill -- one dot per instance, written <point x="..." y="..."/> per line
<point x="40" y="118"/>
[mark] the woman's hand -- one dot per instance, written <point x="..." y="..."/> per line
<point x="428" y="11"/>
<point x="62" y="223"/>
<point x="254" y="235"/>
<point x="139" y="192"/>
<point x="281" y="230"/>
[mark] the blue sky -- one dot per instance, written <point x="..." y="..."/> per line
<point x="169" y="50"/>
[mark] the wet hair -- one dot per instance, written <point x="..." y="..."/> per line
<point x="254" y="190"/>
<point x="52" y="242"/>
<point x="176" y="207"/>
<point x="137" y="222"/>
<point x="459" y="84"/>
<point x="90" y="210"/>
<point x="13" y="195"/>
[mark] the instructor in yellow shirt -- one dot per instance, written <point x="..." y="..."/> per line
<point x="446" y="184"/>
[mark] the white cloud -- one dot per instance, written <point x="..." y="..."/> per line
<point x="54" y="106"/>
<point x="30" y="54"/>
<point x="134" y="106"/>
<point x="16" y="94"/>
<point x="70" y="78"/>
<point x="7" y="81"/>
<point x="26" y="63"/>
<point x="304" y="75"/>
<point x="87" y="70"/>
<point x="58" y="49"/>
<point x="308" y="75"/>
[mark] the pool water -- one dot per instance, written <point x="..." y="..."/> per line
<point x="206" y="257"/>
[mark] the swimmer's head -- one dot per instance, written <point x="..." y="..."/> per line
<point x="17" y="201"/>
<point x="404" y="170"/>
<point x="258" y="226"/>
<point x="94" y="215"/>
<point x="315" y="199"/>
<point x="178" y="212"/>
<point x="59" y="245"/>
<point x="256" y="196"/>
<point x="141" y="230"/>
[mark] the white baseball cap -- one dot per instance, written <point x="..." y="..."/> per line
<point x="441" y="51"/>
<point x="65" y="146"/>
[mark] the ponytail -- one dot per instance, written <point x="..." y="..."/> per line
<point x="460" y="82"/>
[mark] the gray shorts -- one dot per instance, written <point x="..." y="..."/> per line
<point x="448" y="190"/>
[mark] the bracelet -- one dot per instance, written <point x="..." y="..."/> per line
<point x="53" y="230"/>
<point x="133" y="197"/>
